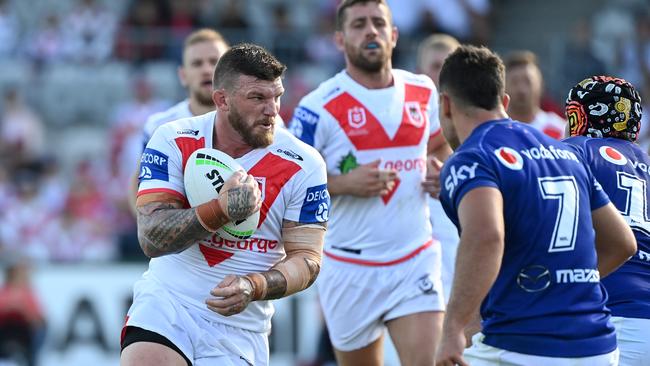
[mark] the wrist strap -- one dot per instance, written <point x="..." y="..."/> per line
<point x="211" y="215"/>
<point x="259" y="285"/>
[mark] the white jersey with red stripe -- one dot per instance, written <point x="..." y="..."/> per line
<point x="550" y="124"/>
<point x="293" y="181"/>
<point x="177" y="111"/>
<point x="351" y="125"/>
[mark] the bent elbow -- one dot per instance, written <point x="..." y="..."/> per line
<point x="149" y="250"/>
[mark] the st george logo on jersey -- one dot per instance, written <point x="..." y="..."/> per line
<point x="414" y="113"/>
<point x="612" y="155"/>
<point x="356" y="117"/>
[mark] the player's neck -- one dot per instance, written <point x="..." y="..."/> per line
<point x="525" y="114"/>
<point x="372" y="80"/>
<point x="226" y="139"/>
<point x="198" y="109"/>
<point x="476" y="118"/>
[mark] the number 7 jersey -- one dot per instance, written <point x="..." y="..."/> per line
<point x="547" y="299"/>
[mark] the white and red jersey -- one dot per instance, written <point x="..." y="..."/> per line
<point x="177" y="111"/>
<point x="550" y="124"/>
<point x="351" y="125"/>
<point x="293" y="181"/>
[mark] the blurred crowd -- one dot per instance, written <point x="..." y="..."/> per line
<point x="78" y="78"/>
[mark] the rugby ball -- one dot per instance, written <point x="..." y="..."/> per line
<point x="205" y="173"/>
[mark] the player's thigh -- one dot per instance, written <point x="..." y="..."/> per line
<point x="370" y="355"/>
<point x="150" y="354"/>
<point x="633" y="337"/>
<point x="416" y="337"/>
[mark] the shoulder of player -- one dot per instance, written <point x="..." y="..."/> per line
<point x="291" y="148"/>
<point x="327" y="90"/>
<point x="160" y="118"/>
<point x="414" y="79"/>
<point x="188" y="127"/>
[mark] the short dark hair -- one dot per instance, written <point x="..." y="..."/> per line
<point x="246" y="59"/>
<point x="340" y="10"/>
<point x="520" y="58"/>
<point x="475" y="76"/>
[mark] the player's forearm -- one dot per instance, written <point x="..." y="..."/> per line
<point x="477" y="266"/>
<point x="338" y="185"/>
<point x="164" y="229"/>
<point x="298" y="270"/>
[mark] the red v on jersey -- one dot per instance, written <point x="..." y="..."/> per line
<point x="277" y="172"/>
<point x="188" y="145"/>
<point x="366" y="132"/>
<point x="214" y="256"/>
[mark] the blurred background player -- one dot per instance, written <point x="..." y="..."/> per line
<point x="525" y="85"/>
<point x="204" y="300"/>
<point x="536" y="280"/>
<point x="607" y="142"/>
<point x="431" y="55"/>
<point x="201" y="52"/>
<point x="371" y="123"/>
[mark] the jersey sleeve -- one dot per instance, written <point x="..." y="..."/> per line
<point x="310" y="201"/>
<point x="434" y="121"/>
<point x="579" y="144"/>
<point x="306" y="124"/>
<point x="462" y="173"/>
<point x="161" y="167"/>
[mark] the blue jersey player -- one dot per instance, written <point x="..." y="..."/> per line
<point x="536" y="232"/>
<point x="604" y="118"/>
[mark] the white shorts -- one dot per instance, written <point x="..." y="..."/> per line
<point x="357" y="300"/>
<point x="481" y="354"/>
<point x="204" y="342"/>
<point x="446" y="233"/>
<point x="633" y="336"/>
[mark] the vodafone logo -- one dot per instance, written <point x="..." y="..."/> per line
<point x="612" y="155"/>
<point x="510" y="158"/>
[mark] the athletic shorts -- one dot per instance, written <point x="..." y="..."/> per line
<point x="481" y="354"/>
<point x="203" y="342"/>
<point x="633" y="336"/>
<point x="358" y="300"/>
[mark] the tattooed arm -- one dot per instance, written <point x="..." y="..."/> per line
<point x="303" y="244"/>
<point x="164" y="227"/>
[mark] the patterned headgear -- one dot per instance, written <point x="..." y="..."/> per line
<point x="603" y="106"/>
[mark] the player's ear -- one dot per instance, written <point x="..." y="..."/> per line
<point x="181" y="76"/>
<point x="505" y="101"/>
<point x="220" y="100"/>
<point x="338" y="41"/>
<point x="445" y="105"/>
<point x="395" y="34"/>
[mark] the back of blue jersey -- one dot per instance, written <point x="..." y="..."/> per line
<point x="621" y="167"/>
<point x="547" y="299"/>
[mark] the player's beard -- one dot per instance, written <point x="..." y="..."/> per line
<point x="254" y="140"/>
<point x="356" y="58"/>
<point x="204" y="99"/>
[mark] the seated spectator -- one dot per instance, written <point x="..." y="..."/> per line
<point x="46" y="44"/>
<point x="22" y="132"/>
<point x="22" y="323"/>
<point x="143" y="34"/>
<point x="8" y="29"/>
<point x="89" y="32"/>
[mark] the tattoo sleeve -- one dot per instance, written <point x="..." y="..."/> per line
<point x="164" y="228"/>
